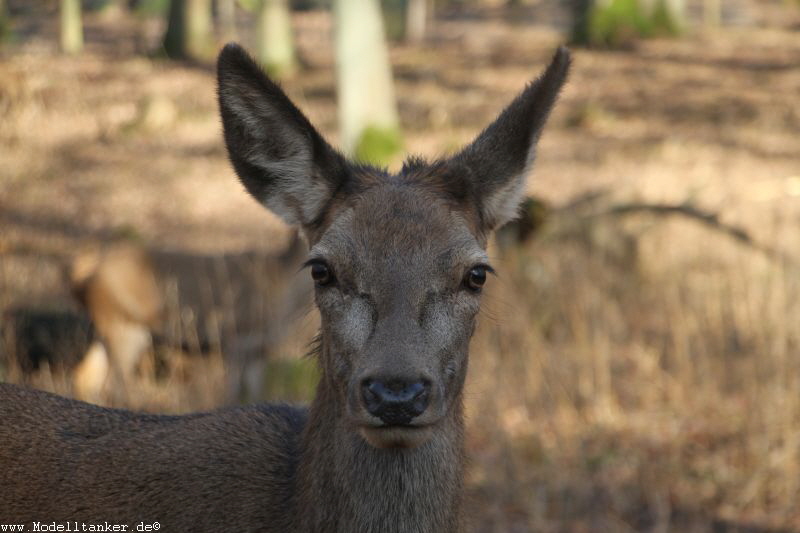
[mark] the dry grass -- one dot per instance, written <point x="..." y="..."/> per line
<point x="633" y="373"/>
<point x="639" y="396"/>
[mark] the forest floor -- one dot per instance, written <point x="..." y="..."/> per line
<point x="635" y="370"/>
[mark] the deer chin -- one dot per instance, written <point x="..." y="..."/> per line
<point x="396" y="436"/>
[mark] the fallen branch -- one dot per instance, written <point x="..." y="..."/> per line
<point x="584" y="208"/>
<point x="707" y="218"/>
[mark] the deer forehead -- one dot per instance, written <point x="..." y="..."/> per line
<point x="402" y="231"/>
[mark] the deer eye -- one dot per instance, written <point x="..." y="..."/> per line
<point x="476" y="277"/>
<point x="321" y="273"/>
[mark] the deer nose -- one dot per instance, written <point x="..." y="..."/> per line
<point x="396" y="402"/>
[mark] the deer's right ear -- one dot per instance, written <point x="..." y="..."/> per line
<point x="279" y="156"/>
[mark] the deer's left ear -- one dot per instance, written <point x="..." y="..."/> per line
<point x="497" y="162"/>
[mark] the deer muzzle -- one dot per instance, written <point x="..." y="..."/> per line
<point x="395" y="402"/>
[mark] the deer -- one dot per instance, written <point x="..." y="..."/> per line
<point x="399" y="264"/>
<point x="166" y="301"/>
<point x="43" y="345"/>
<point x="117" y="288"/>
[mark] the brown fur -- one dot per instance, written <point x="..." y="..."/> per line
<point x="396" y="260"/>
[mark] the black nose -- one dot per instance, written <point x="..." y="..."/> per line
<point x="396" y="402"/>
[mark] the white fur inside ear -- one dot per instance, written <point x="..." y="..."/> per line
<point x="502" y="205"/>
<point x="297" y="198"/>
<point x="296" y="195"/>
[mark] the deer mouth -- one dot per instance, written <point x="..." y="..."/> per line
<point x="396" y="436"/>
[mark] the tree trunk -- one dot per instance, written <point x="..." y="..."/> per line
<point x="226" y="11"/>
<point x="5" y="24"/>
<point x="274" y="45"/>
<point x="676" y="9"/>
<point x="199" y="36"/>
<point x="71" y="26"/>
<point x="368" y="119"/>
<point x="176" y="28"/>
<point x="416" y="20"/>
<point x="189" y="32"/>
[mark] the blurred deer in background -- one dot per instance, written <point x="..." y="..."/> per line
<point x="239" y="305"/>
<point x="118" y="289"/>
<point x="235" y="304"/>
<point x="398" y="261"/>
<point x="45" y="345"/>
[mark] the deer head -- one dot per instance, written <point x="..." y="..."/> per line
<point x="399" y="260"/>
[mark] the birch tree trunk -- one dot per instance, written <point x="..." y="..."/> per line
<point x="274" y="42"/>
<point x="226" y="11"/>
<point x="71" y="26"/>
<point x="368" y="121"/>
<point x="416" y="20"/>
<point x="676" y="9"/>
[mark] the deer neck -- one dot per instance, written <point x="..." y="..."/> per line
<point x="346" y="485"/>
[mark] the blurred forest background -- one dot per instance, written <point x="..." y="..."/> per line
<point x="637" y="364"/>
